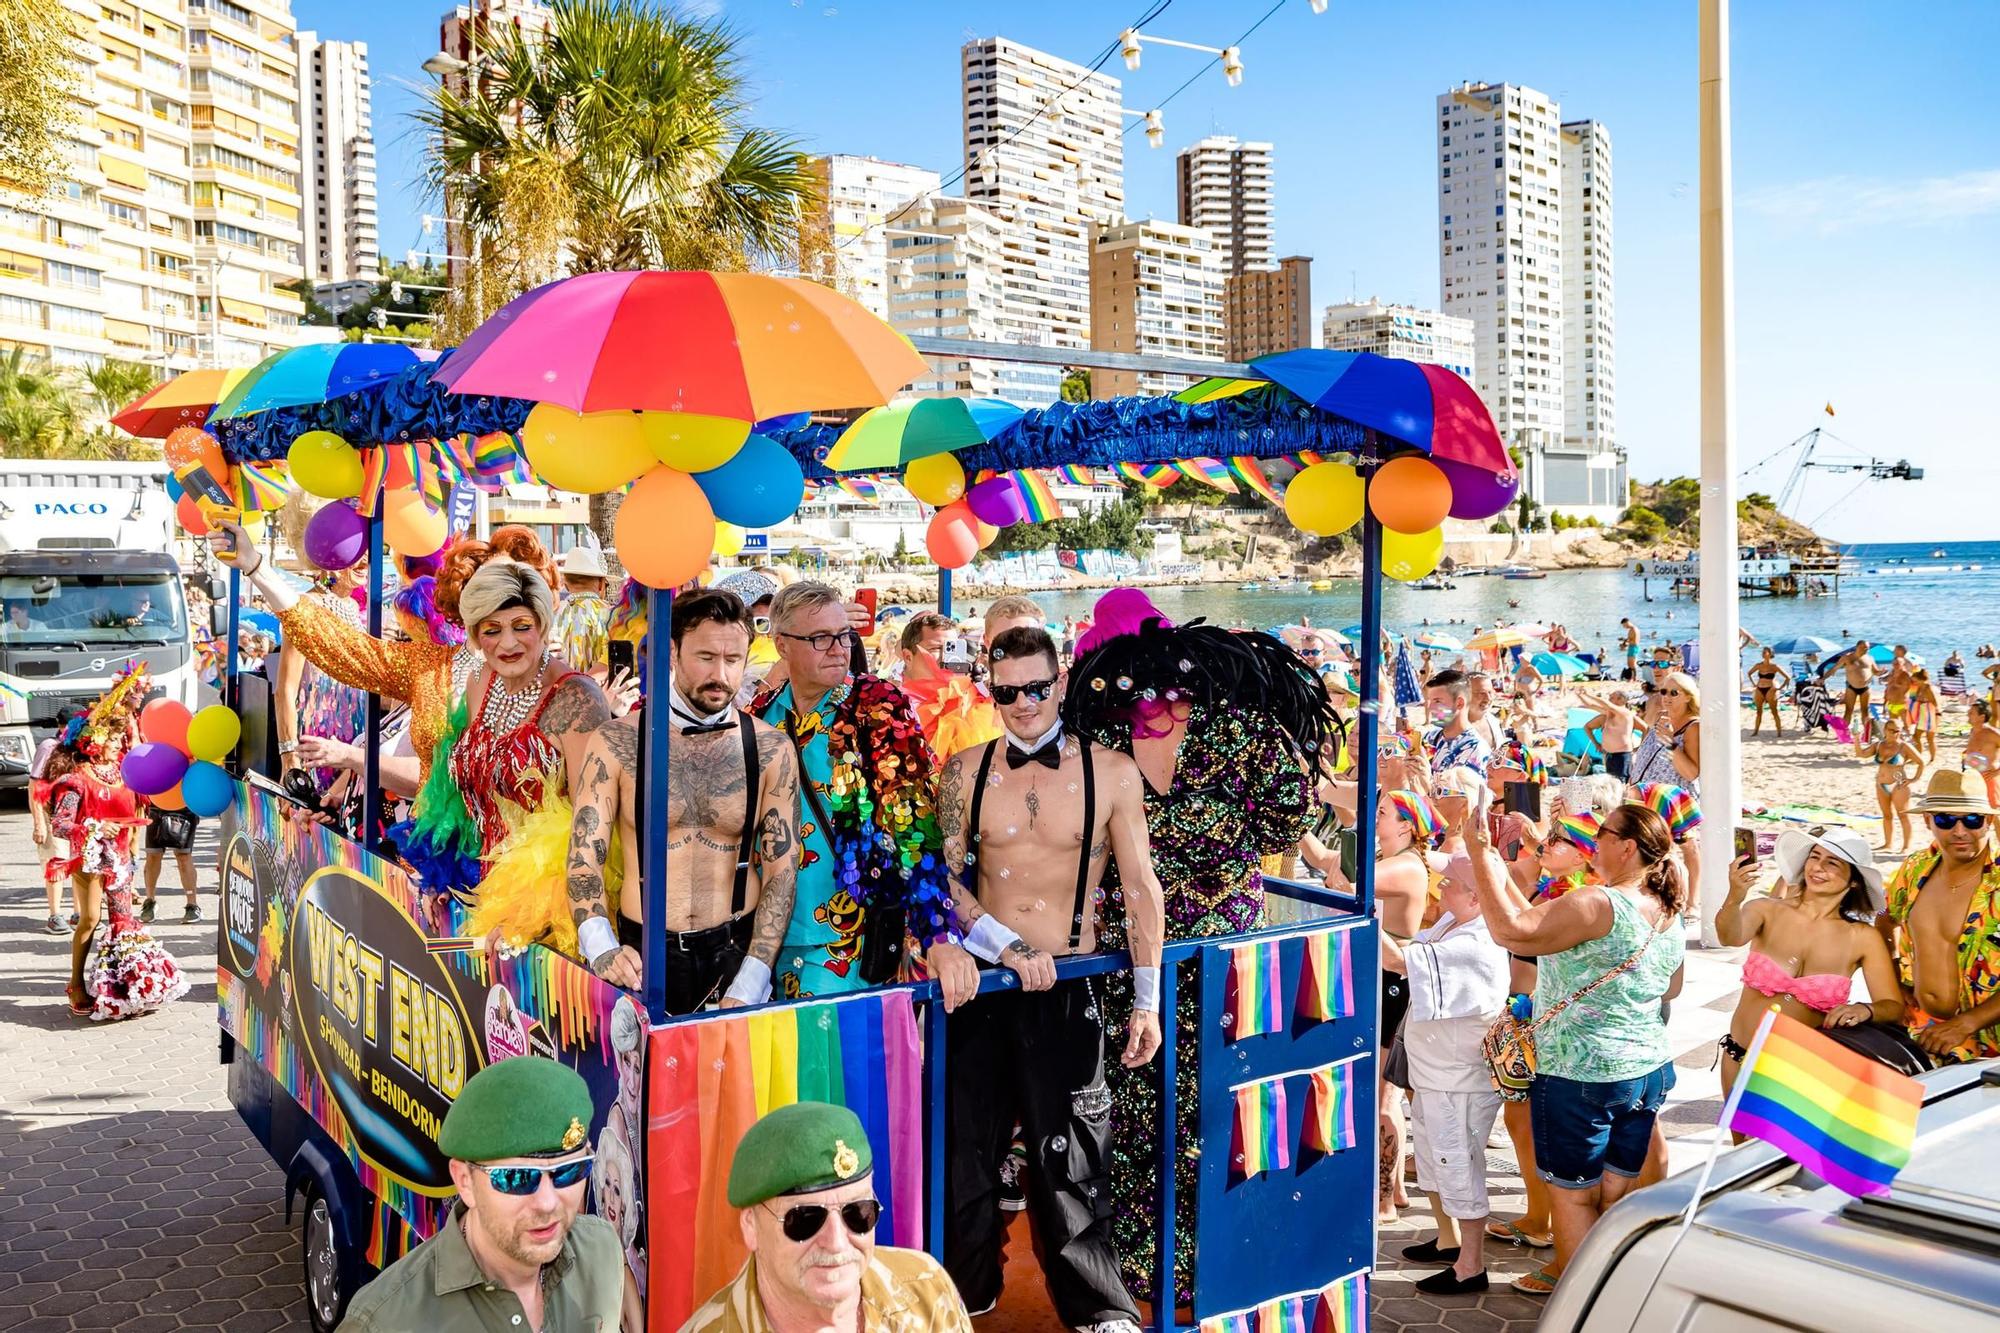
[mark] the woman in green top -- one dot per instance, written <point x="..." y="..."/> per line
<point x="1609" y="956"/>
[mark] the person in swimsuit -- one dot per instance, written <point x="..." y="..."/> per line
<point x="1612" y="728"/>
<point x="1861" y="672"/>
<point x="1892" y="756"/>
<point x="1766" y="677"/>
<point x="1805" y="949"/>
<point x="1405" y="885"/>
<point x="1923" y="713"/>
<point x="1982" y="748"/>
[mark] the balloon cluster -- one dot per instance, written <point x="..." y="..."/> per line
<point x="1410" y="495"/>
<point x="967" y="518"/>
<point x="177" y="763"/>
<point x="200" y="479"/>
<point x="326" y="465"/>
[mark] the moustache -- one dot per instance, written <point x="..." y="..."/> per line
<point x="821" y="1260"/>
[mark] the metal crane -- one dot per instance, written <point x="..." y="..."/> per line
<point x="1872" y="469"/>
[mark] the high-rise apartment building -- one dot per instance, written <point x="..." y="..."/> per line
<point x="955" y="272"/>
<point x="1590" y="403"/>
<point x="861" y="200"/>
<point x="337" y="160"/>
<point x="1155" y="289"/>
<point x="1044" y="150"/>
<point x="1268" y="310"/>
<point x="1401" y="331"/>
<point x="179" y="219"/>
<point x="1225" y="186"/>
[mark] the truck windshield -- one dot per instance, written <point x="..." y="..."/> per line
<point x="91" y="609"/>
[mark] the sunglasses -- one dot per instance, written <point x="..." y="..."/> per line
<point x="1038" y="690"/>
<point x="1971" y="823"/>
<point x="826" y="640"/>
<point x="802" y="1223"/>
<point x="522" y="1181"/>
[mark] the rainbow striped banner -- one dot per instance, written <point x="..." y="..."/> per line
<point x="1846" y="1119"/>
<point x="1036" y="495"/>
<point x="1326" y="976"/>
<point x="1161" y="475"/>
<point x="374" y="468"/>
<point x="1076" y="475"/>
<point x="1210" y="472"/>
<point x="1245" y="469"/>
<point x="1256" y="991"/>
<point x="1261" y="1139"/>
<point x="1329" y="1123"/>
<point x="1343" y="1306"/>
<point x="860" y="488"/>
<point x="1287" y="1314"/>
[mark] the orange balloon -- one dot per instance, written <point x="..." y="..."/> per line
<point x="410" y="526"/>
<point x="953" y="536"/>
<point x="170" y="799"/>
<point x="1409" y="494"/>
<point x="665" y="529"/>
<point x="187" y="445"/>
<point x="189" y="514"/>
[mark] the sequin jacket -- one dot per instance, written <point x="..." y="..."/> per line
<point x="417" y="672"/>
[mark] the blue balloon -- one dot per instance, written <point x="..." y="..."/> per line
<point x="761" y="486"/>
<point x="174" y="488"/>
<point x="207" y="788"/>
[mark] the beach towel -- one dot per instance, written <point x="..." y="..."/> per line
<point x="1841" y="731"/>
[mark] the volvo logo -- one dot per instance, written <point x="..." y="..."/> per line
<point x="98" y="663"/>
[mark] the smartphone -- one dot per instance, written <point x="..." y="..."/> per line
<point x="1746" y="844"/>
<point x="1522" y="798"/>
<point x="956" y="656"/>
<point x="624" y="656"/>
<point x="868" y="597"/>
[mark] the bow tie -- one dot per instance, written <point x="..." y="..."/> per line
<point x="1048" y="756"/>
<point x="704" y="728"/>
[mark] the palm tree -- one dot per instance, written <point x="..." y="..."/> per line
<point x="618" y="139"/>
<point x="46" y="413"/>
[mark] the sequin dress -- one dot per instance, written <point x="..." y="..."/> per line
<point x="504" y="773"/>
<point x="418" y="672"/>
<point x="328" y="707"/>
<point x="1240" y="792"/>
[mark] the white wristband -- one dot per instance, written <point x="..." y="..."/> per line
<point x="753" y="982"/>
<point x="988" y="939"/>
<point x="1146" y="989"/>
<point x="595" y="938"/>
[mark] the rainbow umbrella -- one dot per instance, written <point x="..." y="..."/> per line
<point x="1221" y="386"/>
<point x="1438" y="643"/>
<point x="747" y="346"/>
<point x="1422" y="405"/>
<point x="888" y="437"/>
<point x="1497" y="638"/>
<point x="314" y="374"/>
<point x="184" y="400"/>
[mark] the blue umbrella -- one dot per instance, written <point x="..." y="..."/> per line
<point x="1801" y="644"/>
<point x="1560" y="664"/>
<point x="1353" y="634"/>
<point x="1576" y="740"/>
<point x="1883" y="653"/>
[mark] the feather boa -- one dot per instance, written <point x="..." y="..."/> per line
<point x="440" y="840"/>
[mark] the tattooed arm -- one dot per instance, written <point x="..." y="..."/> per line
<point x="957" y="974"/>
<point x="1145" y="905"/>
<point x="595" y="794"/>
<point x="775" y="850"/>
<point x="574" y="710"/>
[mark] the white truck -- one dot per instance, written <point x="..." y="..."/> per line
<point x="89" y="582"/>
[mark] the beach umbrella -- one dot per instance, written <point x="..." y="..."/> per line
<point x="1801" y="644"/>
<point x="1438" y="643"/>
<point x="743" y="346"/>
<point x="885" y="438"/>
<point x="1353" y="633"/>
<point x="1576" y="740"/>
<point x="184" y="400"/>
<point x="315" y="373"/>
<point x="1534" y="629"/>
<point x="1560" y="664"/>
<point x="1422" y="405"/>
<point x="1497" y="638"/>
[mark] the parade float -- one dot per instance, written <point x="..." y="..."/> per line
<point x="351" y="1017"/>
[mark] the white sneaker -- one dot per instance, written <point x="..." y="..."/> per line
<point x="1109" y="1326"/>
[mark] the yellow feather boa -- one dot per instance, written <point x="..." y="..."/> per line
<point x="525" y="894"/>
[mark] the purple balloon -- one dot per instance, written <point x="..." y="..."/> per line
<point x="997" y="500"/>
<point x="1475" y="492"/>
<point x="336" y="536"/>
<point x="151" y="768"/>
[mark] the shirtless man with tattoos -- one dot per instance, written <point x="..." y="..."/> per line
<point x="732" y="864"/>
<point x="1030" y="823"/>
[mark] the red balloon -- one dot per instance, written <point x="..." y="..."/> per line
<point x="165" y="722"/>
<point x="953" y="536"/>
<point x="190" y="516"/>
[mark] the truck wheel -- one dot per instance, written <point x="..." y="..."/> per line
<point x="329" y="1270"/>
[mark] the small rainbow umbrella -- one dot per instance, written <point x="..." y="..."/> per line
<point x="747" y="346"/>
<point x="184" y="400"/>
<point x="885" y="438"/>
<point x="314" y="374"/>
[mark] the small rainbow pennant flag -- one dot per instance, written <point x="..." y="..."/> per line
<point x="1343" y="1306"/>
<point x="1036" y="495"/>
<point x="1329" y="1124"/>
<point x="1262" y="1140"/>
<point x="1212" y="472"/>
<point x="1161" y="475"/>
<point x="1244" y="468"/>
<point x="374" y="466"/>
<point x="261" y="486"/>
<point x="861" y="488"/>
<point x="1076" y="475"/>
<point x="1326" y="976"/>
<point x="1307" y="457"/>
<point x="431" y="480"/>
<point x="497" y="457"/>
<point x="1256" y="999"/>
<point x="1287" y="1314"/>
<point x="1239" y="1322"/>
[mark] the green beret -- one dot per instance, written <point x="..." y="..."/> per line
<point x="526" y="1106"/>
<point x="797" y="1149"/>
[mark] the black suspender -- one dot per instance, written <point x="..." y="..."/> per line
<point x="748" y="729"/>
<point x="1083" y="856"/>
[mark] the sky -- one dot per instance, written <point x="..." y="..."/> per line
<point x="1867" y="184"/>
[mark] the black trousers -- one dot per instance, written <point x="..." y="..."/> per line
<point x="700" y="963"/>
<point x="1038" y="1057"/>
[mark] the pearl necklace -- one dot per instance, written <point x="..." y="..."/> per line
<point x="507" y="709"/>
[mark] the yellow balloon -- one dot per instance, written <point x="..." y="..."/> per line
<point x="410" y="526"/>
<point x="936" y="479"/>
<point x="728" y="539"/>
<point x="690" y="441"/>
<point x="325" y="465"/>
<point x="1411" y="555"/>
<point x="585" y="452"/>
<point x="213" y="732"/>
<point x="1325" y="498"/>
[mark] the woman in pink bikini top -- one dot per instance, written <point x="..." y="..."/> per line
<point x="1806" y="947"/>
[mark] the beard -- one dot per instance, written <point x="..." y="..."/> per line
<point x="510" y="1237"/>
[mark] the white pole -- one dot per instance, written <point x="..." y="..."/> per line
<point x="1720" y="738"/>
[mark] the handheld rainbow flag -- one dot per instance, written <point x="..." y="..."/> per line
<point x="1846" y="1119"/>
<point x="1262" y="1141"/>
<point x="1329" y="1124"/>
<point x="1076" y="475"/>
<point x="261" y="486"/>
<point x="1256" y="999"/>
<point x="1343" y="1306"/>
<point x="1326" y="976"/>
<point x="1161" y="475"/>
<point x="1211" y="472"/>
<point x="1245" y="469"/>
<point x="1036" y="495"/>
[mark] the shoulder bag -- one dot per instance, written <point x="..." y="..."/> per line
<point x="1509" y="1045"/>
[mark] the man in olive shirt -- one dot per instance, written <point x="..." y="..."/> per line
<point x="513" y="1256"/>
<point x="803" y="1177"/>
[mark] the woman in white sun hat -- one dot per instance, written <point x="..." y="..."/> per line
<point x="1805" y="949"/>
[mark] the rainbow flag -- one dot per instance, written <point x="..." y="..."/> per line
<point x="861" y="488"/>
<point x="1245" y="469"/>
<point x="1307" y="457"/>
<point x="431" y="479"/>
<point x="1287" y="1314"/>
<point x="1329" y="1124"/>
<point x="497" y="458"/>
<point x="710" y="1078"/>
<point x="1076" y="475"/>
<point x="1676" y="805"/>
<point x="1239" y="1322"/>
<point x="1326" y="976"/>
<point x="1212" y="472"/>
<point x="1262" y="1141"/>
<point x="261" y="486"/>
<point x="1343" y="1306"/>
<point x="1161" y="475"/>
<point x="1256" y="1001"/>
<point x="374" y="467"/>
<point x="1843" y="1117"/>
<point x="1036" y="495"/>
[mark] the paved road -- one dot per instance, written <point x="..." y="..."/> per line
<point x="131" y="1197"/>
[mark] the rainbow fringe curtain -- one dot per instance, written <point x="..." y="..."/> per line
<point x="1261" y="1140"/>
<point x="1245" y="469"/>
<point x="1329" y="1123"/>
<point x="1256" y="991"/>
<point x="710" y="1079"/>
<point x="1339" y="1307"/>
<point x="1326" y="976"/>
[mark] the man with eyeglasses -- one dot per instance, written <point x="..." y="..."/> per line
<point x="870" y="864"/>
<point x="514" y="1253"/>
<point x="1943" y="923"/>
<point x="803" y="1177"/>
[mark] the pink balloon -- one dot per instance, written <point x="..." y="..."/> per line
<point x="1475" y="492"/>
<point x="997" y="500"/>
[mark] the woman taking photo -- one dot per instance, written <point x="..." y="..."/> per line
<point x="1606" y="956"/>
